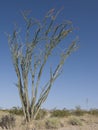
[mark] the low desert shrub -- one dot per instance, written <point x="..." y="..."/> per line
<point x="60" y="113"/>
<point x="39" y="124"/>
<point x="74" y="121"/>
<point x="16" y="111"/>
<point x="78" y="111"/>
<point x="7" y="122"/>
<point x="53" y="123"/>
<point x="42" y="113"/>
<point x="93" y="112"/>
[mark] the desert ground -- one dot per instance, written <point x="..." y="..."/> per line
<point x="72" y="122"/>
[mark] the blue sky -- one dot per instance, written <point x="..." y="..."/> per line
<point x="79" y="80"/>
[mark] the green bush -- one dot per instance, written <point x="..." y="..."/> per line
<point x="60" y="113"/>
<point x="16" y="111"/>
<point x="75" y="121"/>
<point x="78" y="111"/>
<point x="42" y="113"/>
<point x="93" y="112"/>
<point x="52" y="123"/>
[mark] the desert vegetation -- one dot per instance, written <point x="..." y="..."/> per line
<point x="30" y="56"/>
<point x="64" y="119"/>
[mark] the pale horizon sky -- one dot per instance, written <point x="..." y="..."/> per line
<point x="79" y="80"/>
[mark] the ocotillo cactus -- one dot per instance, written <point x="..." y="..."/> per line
<point x="31" y="57"/>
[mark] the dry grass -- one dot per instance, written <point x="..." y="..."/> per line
<point x="86" y="122"/>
